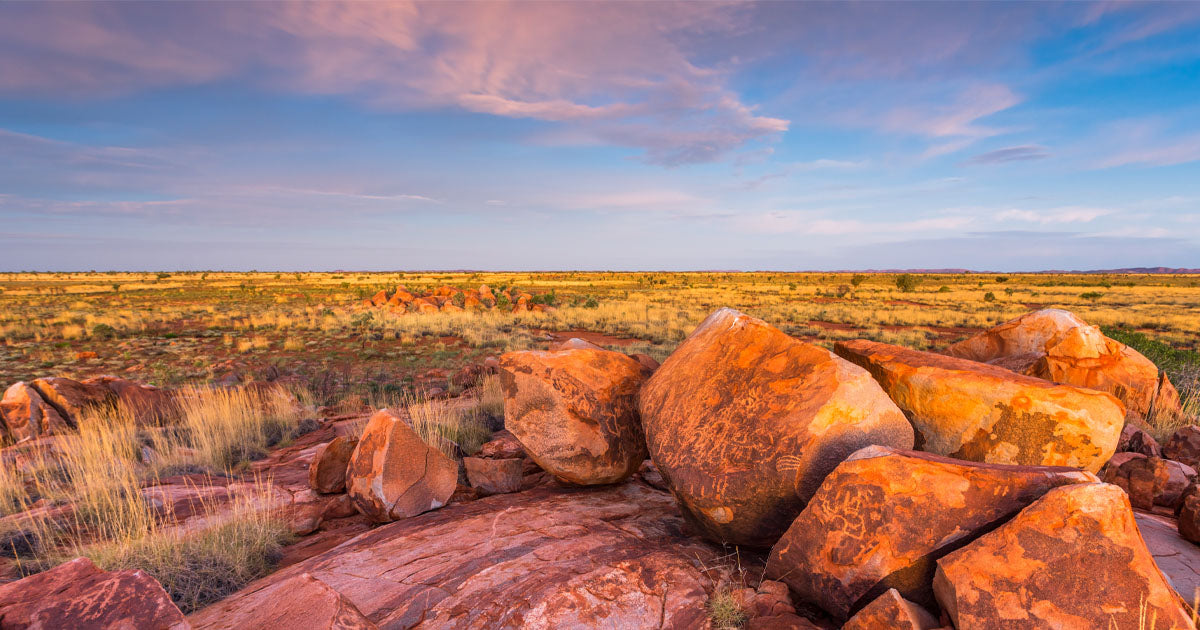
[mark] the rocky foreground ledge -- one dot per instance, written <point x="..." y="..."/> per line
<point x="786" y="487"/>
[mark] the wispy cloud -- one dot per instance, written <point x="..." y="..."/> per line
<point x="1050" y="216"/>
<point x="1023" y="153"/>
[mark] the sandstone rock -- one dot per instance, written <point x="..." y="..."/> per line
<point x="340" y="506"/>
<point x="744" y="422"/>
<point x="1142" y="478"/>
<point x="983" y="413"/>
<point x="551" y="557"/>
<point x="1187" y="512"/>
<point x="884" y="516"/>
<point x="1178" y="559"/>
<point x="890" y="611"/>
<point x="503" y="445"/>
<point x="450" y="307"/>
<point x="327" y="471"/>
<point x="1180" y="476"/>
<point x="781" y="622"/>
<point x="574" y="343"/>
<point x="300" y="602"/>
<point x="27" y="416"/>
<point x="472" y="303"/>
<point x="1184" y="446"/>
<point x="1135" y="440"/>
<point x="147" y="403"/>
<point x="1072" y="559"/>
<point x="73" y="399"/>
<point x="770" y="599"/>
<point x="1059" y="346"/>
<point x="648" y="362"/>
<point x="380" y="298"/>
<point x="575" y="412"/>
<point x="393" y="474"/>
<point x="494" y="476"/>
<point x="80" y="596"/>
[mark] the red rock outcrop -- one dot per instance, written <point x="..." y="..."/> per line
<point x="1142" y="478"/>
<point x="744" y="422"/>
<point x="72" y="399"/>
<point x="883" y="517"/>
<point x="27" y="416"/>
<point x="1184" y="446"/>
<point x="575" y="412"/>
<point x="890" y="611"/>
<point x="394" y="474"/>
<point x="1059" y="346"/>
<point x="494" y="476"/>
<point x="1135" y="440"/>
<point x="327" y="471"/>
<point x="551" y="557"/>
<point x="80" y="596"/>
<point x="300" y="602"/>
<point x="1072" y="559"/>
<point x="969" y="410"/>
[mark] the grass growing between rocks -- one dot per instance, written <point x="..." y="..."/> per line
<point x="724" y="612"/>
<point x="446" y="427"/>
<point x="82" y="494"/>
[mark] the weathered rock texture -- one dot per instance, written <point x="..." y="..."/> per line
<point x="969" y="410"/>
<point x="575" y="412"/>
<point x="394" y="474"/>
<point x="884" y="516"/>
<point x="890" y="611"/>
<point x="1135" y="440"/>
<point x="27" y="416"/>
<point x="1072" y="559"/>
<point x="744" y="422"/>
<point x="1142" y="478"/>
<point x="494" y="476"/>
<point x="80" y="596"/>
<point x="300" y="602"/>
<point x="327" y="472"/>
<point x="1184" y="446"/>
<point x="551" y="557"/>
<point x="1056" y="345"/>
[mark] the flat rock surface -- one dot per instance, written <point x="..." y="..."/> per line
<point x="550" y="557"/>
<point x="1177" y="558"/>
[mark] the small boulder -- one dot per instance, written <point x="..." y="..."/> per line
<point x="884" y="516"/>
<point x="1072" y="559"/>
<point x="72" y="399"/>
<point x="574" y="343"/>
<point x="327" y="471"/>
<point x="393" y="474"/>
<point x="1187" y="511"/>
<point x="295" y="603"/>
<point x="380" y="298"/>
<point x="744" y="421"/>
<point x="982" y="413"/>
<point x="494" y="476"/>
<point x="648" y="362"/>
<point x="1180" y="476"/>
<point x="890" y="611"/>
<point x="1184" y="446"/>
<point x="79" y="595"/>
<point x="503" y="445"/>
<point x="1142" y="478"/>
<point x="27" y="416"/>
<point x="575" y="412"/>
<point x="1135" y="440"/>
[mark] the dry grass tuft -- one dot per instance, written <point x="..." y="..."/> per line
<point x="444" y="426"/>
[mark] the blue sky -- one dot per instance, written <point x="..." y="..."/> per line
<point x="790" y="136"/>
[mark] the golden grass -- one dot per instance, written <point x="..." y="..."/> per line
<point x="444" y="426"/>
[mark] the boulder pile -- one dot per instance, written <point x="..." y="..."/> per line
<point x="454" y="300"/>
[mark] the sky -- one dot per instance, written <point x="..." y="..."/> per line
<point x="1013" y="136"/>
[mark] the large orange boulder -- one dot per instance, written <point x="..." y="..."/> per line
<point x="73" y="399"/>
<point x="380" y="298"/>
<point x="1072" y="559"/>
<point x="295" y="603"/>
<point x="575" y="412"/>
<point x="27" y="416"/>
<point x="1059" y="346"/>
<point x="80" y="596"/>
<point x="744" y="422"/>
<point x="327" y="470"/>
<point x="969" y="410"/>
<point x="890" y="611"/>
<point x="394" y="474"/>
<point x="884" y="516"/>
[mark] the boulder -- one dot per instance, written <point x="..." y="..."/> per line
<point x="1072" y="559"/>
<point x="73" y="399"/>
<point x="80" y="596"/>
<point x="647" y="361"/>
<point x="494" y="476"/>
<point x="781" y="622"/>
<point x="550" y="557"/>
<point x="890" y="611"/>
<point x="380" y="298"/>
<point x="1176" y="557"/>
<point x="27" y="416"/>
<point x="574" y="343"/>
<point x="884" y="516"/>
<point x="297" y="602"/>
<point x="744" y="422"/>
<point x="1179" y="477"/>
<point x="1184" y="446"/>
<point x="1135" y="440"/>
<point x="969" y="410"/>
<point x="503" y="445"/>
<point x="1187" y="513"/>
<point x="1059" y="346"/>
<point x="148" y="404"/>
<point x="327" y="470"/>
<point x="575" y="412"/>
<point x="394" y="474"/>
<point x="770" y="599"/>
<point x="1142" y="478"/>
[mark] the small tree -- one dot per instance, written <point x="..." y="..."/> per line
<point x="906" y="282"/>
<point x="857" y="279"/>
<point x="989" y="297"/>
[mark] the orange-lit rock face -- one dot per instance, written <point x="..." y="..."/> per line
<point x="27" y="416"/>
<point x="744" y="421"/>
<point x="884" y="516"/>
<point x="1056" y="345"/>
<point x="393" y="474"/>
<point x="1072" y="559"/>
<point x="890" y="611"/>
<point x="327" y="471"/>
<point x="575" y="412"/>
<point x="983" y="413"/>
